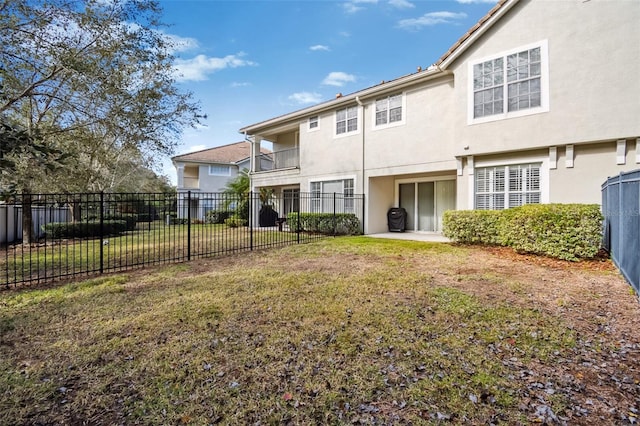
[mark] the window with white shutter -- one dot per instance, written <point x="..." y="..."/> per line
<point x="502" y="187"/>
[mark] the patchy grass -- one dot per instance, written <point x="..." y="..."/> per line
<point x="336" y="332"/>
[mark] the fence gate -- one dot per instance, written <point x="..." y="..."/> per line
<point x="621" y="209"/>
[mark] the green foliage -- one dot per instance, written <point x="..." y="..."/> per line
<point x="84" y="229"/>
<point x="129" y="219"/>
<point x="325" y="223"/>
<point x="217" y="216"/>
<point x="235" y="222"/>
<point x="473" y="226"/>
<point x="87" y="85"/>
<point x="563" y="231"/>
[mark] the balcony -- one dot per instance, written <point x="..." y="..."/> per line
<point x="190" y="183"/>
<point x="279" y="160"/>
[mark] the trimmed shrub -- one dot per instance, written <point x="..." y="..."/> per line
<point x="90" y="229"/>
<point x="563" y="231"/>
<point x="130" y="219"/>
<point x="217" y="216"/>
<point x="234" y="222"/>
<point x="473" y="226"/>
<point x="325" y="223"/>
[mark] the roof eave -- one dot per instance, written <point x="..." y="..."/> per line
<point x="418" y="77"/>
<point x="494" y="15"/>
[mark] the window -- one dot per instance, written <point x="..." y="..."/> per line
<point x="219" y="170"/>
<point x="323" y="199"/>
<point x="389" y="110"/>
<point x="510" y="84"/>
<point x="346" y="120"/>
<point x="315" y="196"/>
<point x="507" y="186"/>
<point x="313" y="122"/>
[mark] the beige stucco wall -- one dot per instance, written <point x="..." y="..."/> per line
<point x="380" y="198"/>
<point x="594" y="69"/>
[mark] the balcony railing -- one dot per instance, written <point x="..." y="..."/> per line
<point x="285" y="159"/>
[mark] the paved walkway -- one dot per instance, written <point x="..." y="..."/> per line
<point x="432" y="237"/>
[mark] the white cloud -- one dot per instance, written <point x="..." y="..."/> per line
<point x="240" y="84"/>
<point x="352" y="6"/>
<point x="338" y="78"/>
<point x="306" y="98"/>
<point x="402" y="4"/>
<point x="430" y="19"/>
<point x="194" y="148"/>
<point x="198" y="68"/>
<point x="319" y="47"/>
<point x="180" y="44"/>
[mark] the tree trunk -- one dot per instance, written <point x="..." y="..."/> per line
<point x="27" y="218"/>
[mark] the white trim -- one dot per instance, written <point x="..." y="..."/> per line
<point x="544" y="85"/>
<point x="333" y="178"/>
<point x="621" y="151"/>
<point x="347" y="133"/>
<point x="569" y="156"/>
<point x="637" y="150"/>
<point x="219" y="165"/>
<point x="553" y="157"/>
<point x="402" y="122"/>
<point x="470" y="165"/>
<point x="544" y="174"/>
<point x="459" y="166"/>
<point x="314" y="129"/>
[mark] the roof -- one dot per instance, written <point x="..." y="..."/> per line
<point x="437" y="70"/>
<point x="226" y="154"/>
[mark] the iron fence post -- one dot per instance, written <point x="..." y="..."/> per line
<point x="251" y="219"/>
<point x="101" y="232"/>
<point x="189" y="225"/>
<point x="334" y="214"/>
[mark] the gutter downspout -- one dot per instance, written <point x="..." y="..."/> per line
<point x="363" y="158"/>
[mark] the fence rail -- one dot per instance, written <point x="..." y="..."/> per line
<point x="621" y="210"/>
<point x="73" y="235"/>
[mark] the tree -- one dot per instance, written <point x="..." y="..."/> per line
<point x="92" y="79"/>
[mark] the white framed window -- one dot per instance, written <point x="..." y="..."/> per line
<point x="347" y="120"/>
<point x="512" y="84"/>
<point x="219" y="170"/>
<point x="324" y="201"/>
<point x="389" y="110"/>
<point x="502" y="187"/>
<point x="314" y="123"/>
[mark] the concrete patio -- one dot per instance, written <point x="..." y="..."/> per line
<point x="431" y="237"/>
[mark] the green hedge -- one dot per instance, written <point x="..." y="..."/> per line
<point x="84" y="229"/>
<point x="325" y="223"/>
<point x="217" y="216"/>
<point x="563" y="231"/>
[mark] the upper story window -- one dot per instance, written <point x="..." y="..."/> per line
<point x="346" y="120"/>
<point x="389" y="110"/>
<point x="219" y="170"/>
<point x="512" y="84"/>
<point x="313" y="122"/>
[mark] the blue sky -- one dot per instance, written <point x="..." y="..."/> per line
<point x="248" y="61"/>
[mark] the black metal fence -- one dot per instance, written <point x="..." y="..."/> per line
<point x="53" y="237"/>
<point x="621" y="209"/>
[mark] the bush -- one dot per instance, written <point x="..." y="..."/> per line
<point x="563" y="231"/>
<point x="130" y="219"/>
<point x="217" y="216"/>
<point x="325" y="223"/>
<point x="84" y="229"/>
<point x="473" y="226"/>
<point x="235" y="221"/>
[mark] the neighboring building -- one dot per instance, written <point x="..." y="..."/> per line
<point x="539" y="102"/>
<point x="205" y="173"/>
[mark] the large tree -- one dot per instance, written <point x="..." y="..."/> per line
<point x="93" y="80"/>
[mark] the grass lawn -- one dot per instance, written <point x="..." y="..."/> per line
<point x="340" y="331"/>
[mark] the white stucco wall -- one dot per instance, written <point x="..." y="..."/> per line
<point x="594" y="69"/>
